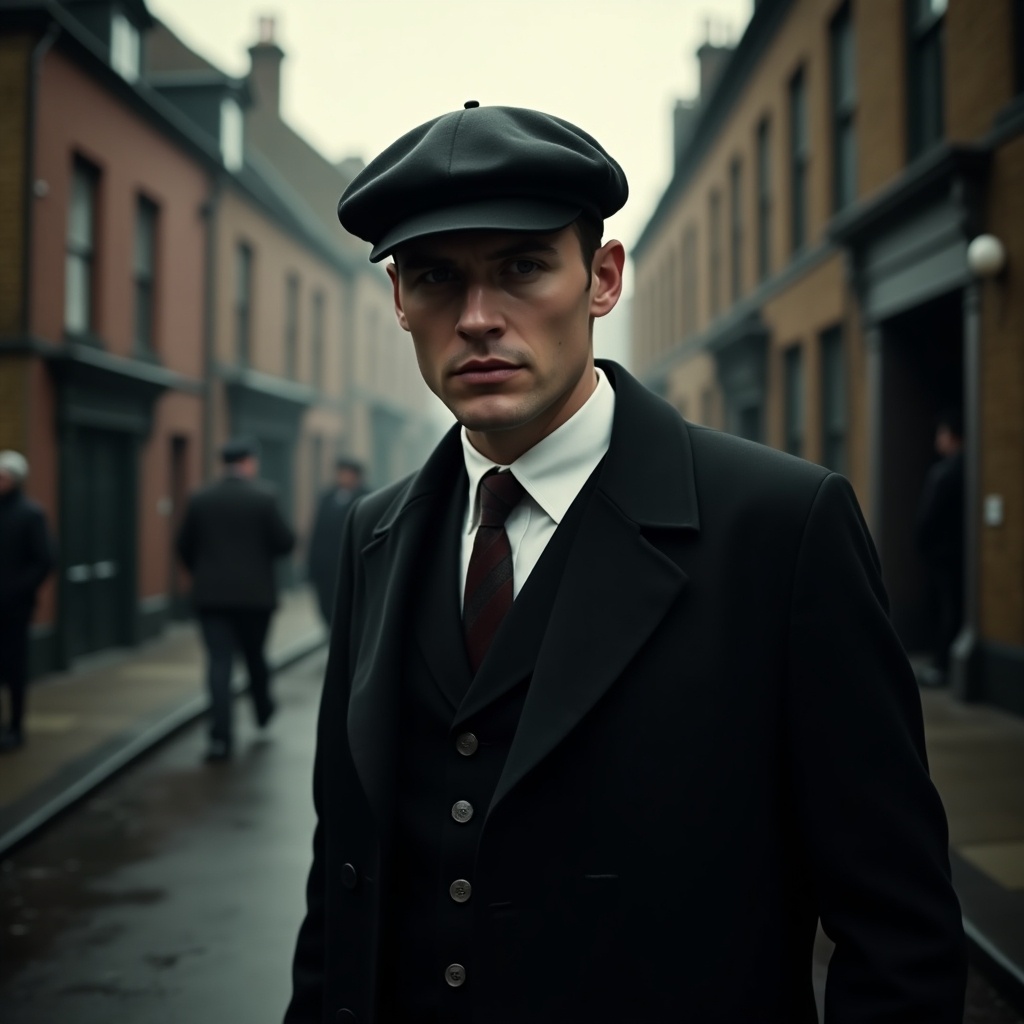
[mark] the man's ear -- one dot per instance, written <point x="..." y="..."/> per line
<point x="606" y="277"/>
<point x="399" y="312"/>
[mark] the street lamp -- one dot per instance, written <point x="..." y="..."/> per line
<point x="986" y="256"/>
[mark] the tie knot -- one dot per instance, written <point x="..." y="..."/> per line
<point x="499" y="494"/>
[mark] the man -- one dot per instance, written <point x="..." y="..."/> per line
<point x="230" y="536"/>
<point x="325" y="541"/>
<point x="940" y="539"/>
<point x="605" y="733"/>
<point x="26" y="559"/>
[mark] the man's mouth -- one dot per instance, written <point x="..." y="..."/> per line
<point x="486" y="371"/>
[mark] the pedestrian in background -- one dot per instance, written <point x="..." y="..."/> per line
<point x="940" y="539"/>
<point x="325" y="540"/>
<point x="231" y="534"/>
<point x="26" y="559"/>
<point x="614" y="712"/>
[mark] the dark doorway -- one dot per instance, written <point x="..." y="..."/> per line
<point x="922" y="374"/>
<point x="98" y="539"/>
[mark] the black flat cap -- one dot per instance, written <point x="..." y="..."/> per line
<point x="239" y="448"/>
<point x="497" y="168"/>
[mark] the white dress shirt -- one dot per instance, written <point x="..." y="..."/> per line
<point x="552" y="473"/>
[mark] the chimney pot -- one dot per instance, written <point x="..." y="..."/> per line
<point x="266" y="29"/>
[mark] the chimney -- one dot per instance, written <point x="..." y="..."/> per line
<point x="684" y="116"/>
<point x="713" y="56"/>
<point x="265" y="69"/>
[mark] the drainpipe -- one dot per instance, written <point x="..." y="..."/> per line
<point x="210" y="210"/>
<point x="39" y="51"/>
<point x="965" y="667"/>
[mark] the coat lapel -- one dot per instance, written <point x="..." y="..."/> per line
<point x="390" y="563"/>
<point x="618" y="585"/>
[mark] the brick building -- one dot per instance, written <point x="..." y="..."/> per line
<point x="164" y="286"/>
<point x="804" y="279"/>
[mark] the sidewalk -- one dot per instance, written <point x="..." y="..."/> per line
<point x="84" y="725"/>
<point x="976" y="755"/>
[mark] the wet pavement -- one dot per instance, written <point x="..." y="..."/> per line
<point x="174" y="893"/>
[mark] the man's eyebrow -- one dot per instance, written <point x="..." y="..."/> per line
<point x="522" y="247"/>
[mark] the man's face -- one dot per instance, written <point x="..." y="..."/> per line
<point x="501" y="323"/>
<point x="8" y="482"/>
<point x="347" y="478"/>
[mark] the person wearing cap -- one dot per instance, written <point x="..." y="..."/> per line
<point x="613" y="712"/>
<point x="26" y="559"/>
<point x="230" y="537"/>
<point x="325" y="539"/>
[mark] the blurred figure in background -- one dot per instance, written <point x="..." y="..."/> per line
<point x="325" y="541"/>
<point x="230" y="536"/>
<point x="940" y="539"/>
<point x="26" y="558"/>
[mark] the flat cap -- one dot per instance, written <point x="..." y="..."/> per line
<point x="239" y="448"/>
<point x="494" y="168"/>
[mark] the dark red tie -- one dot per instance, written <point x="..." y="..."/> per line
<point x="488" y="595"/>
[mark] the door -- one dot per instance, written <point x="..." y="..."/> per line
<point x="99" y="532"/>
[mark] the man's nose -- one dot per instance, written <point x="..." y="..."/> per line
<point x="481" y="313"/>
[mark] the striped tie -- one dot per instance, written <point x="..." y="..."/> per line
<point x="488" y="594"/>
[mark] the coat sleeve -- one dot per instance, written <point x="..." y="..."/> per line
<point x="308" y="965"/>
<point x="282" y="536"/>
<point x="873" y="824"/>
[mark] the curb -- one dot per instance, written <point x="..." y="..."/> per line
<point x="137" y="746"/>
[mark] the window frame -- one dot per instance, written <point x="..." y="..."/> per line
<point x="317" y="338"/>
<point x="292" y="287"/>
<point x="925" y="54"/>
<point x="799" y="159"/>
<point x="80" y="249"/>
<point x="245" y="259"/>
<point x="736" y="229"/>
<point x="715" y="252"/>
<point x="764" y="198"/>
<point x="794" y="392"/>
<point x="842" y="53"/>
<point x="144" y="275"/>
<point x="834" y="398"/>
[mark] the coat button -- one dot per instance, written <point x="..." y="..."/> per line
<point x="462" y="811"/>
<point x="460" y="890"/>
<point x="349" y="877"/>
<point x="467" y="744"/>
<point x="455" y="975"/>
<point x="346" y="1017"/>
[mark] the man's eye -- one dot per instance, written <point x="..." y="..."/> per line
<point x="525" y="266"/>
<point x="437" y="275"/>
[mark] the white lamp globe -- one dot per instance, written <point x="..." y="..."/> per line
<point x="986" y="256"/>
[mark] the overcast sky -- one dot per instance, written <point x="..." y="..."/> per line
<point x="359" y="73"/>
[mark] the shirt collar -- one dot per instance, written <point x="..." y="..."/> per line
<point x="555" y="469"/>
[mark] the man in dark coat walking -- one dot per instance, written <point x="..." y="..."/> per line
<point x="26" y="559"/>
<point x="940" y="539"/>
<point x="614" y="713"/>
<point x="230" y="537"/>
<point x="325" y="540"/>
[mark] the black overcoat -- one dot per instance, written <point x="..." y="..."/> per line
<point x="230" y="536"/>
<point x="721" y="741"/>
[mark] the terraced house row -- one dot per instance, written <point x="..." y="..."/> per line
<point x="808" y="278"/>
<point x="173" y="274"/>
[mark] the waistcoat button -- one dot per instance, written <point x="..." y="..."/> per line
<point x="460" y="890"/>
<point x="462" y="811"/>
<point x="349" y="878"/>
<point x="455" y="975"/>
<point x="467" y="744"/>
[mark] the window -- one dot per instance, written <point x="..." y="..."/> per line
<point x="144" y="269"/>
<point x="715" y="253"/>
<point x="707" y="406"/>
<point x="764" y="200"/>
<point x="793" y="393"/>
<point x="291" y="326"/>
<point x="1018" y="40"/>
<point x="736" y="229"/>
<point x="799" y="154"/>
<point x="243" y="304"/>
<point x="833" y="401"/>
<point x="924" y="73"/>
<point x="844" y="103"/>
<point x="81" y="245"/>
<point x="690" y="281"/>
<point x="125" y="48"/>
<point x="231" y="135"/>
<point x="318" y="339"/>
